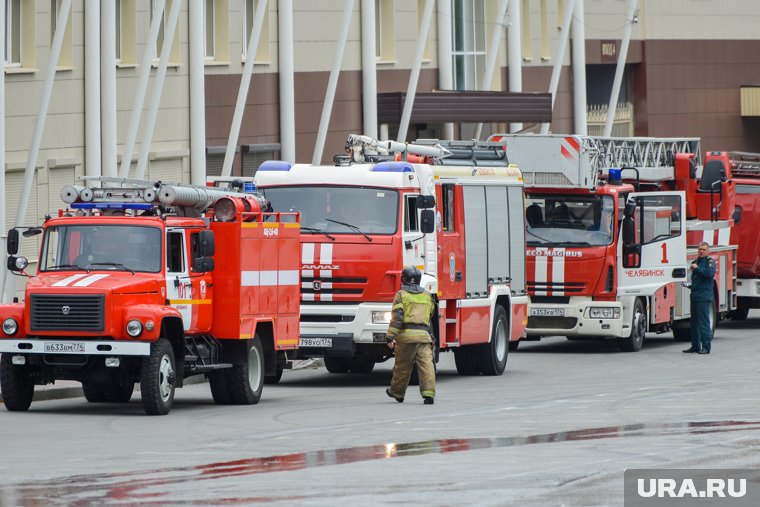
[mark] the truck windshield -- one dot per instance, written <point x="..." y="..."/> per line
<point x="101" y="247"/>
<point x="569" y="220"/>
<point x="339" y="209"/>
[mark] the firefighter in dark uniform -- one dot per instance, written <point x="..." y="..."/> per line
<point x="702" y="273"/>
<point x="409" y="335"/>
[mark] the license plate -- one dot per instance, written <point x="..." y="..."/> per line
<point x="316" y="342"/>
<point x="64" y="347"/>
<point x="547" y="312"/>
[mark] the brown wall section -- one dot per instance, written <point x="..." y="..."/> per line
<point x="692" y="89"/>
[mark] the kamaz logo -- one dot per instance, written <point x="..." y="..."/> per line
<point x="321" y="267"/>
<point x="65" y="309"/>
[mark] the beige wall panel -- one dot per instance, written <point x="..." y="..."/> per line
<point x="63" y="133"/>
<point x="59" y="177"/>
<point x="699" y="19"/>
<point x="14" y="182"/>
<point x="166" y="170"/>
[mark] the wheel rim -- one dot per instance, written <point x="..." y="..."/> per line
<point x="165" y="377"/>
<point x="500" y="339"/>
<point x="638" y="326"/>
<point x="254" y="369"/>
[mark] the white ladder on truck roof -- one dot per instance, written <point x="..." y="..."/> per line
<point x="580" y="161"/>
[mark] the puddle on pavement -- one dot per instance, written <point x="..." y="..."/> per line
<point x="146" y="487"/>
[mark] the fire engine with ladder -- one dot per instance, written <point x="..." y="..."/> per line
<point x="606" y="259"/>
<point x="127" y="291"/>
<point x="745" y="171"/>
<point x="453" y="210"/>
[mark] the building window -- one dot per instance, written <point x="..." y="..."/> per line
<point x="161" y="38"/>
<point x="262" y="49"/>
<point x="208" y="29"/>
<point x="13" y="32"/>
<point x="126" y="46"/>
<point x="117" y="33"/>
<point x="469" y="45"/>
<point x="385" y="28"/>
<point x="525" y="30"/>
<point x="65" y="59"/>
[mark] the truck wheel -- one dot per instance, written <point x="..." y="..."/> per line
<point x="157" y="378"/>
<point x="638" y="328"/>
<point x="274" y="379"/>
<point x="740" y="313"/>
<point x="513" y="345"/>
<point x="16" y="384"/>
<point x="120" y="392"/>
<point x="247" y="375"/>
<point x="219" y="381"/>
<point x="682" y="334"/>
<point x="337" y="364"/>
<point x="493" y="355"/>
<point x="365" y="366"/>
<point x="92" y="392"/>
<point x="466" y="360"/>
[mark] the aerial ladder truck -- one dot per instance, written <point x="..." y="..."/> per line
<point x="608" y="222"/>
<point x="454" y="210"/>
<point x="151" y="283"/>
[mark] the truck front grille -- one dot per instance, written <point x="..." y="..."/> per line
<point x="67" y="312"/>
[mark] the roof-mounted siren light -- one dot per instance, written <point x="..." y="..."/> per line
<point x="275" y="165"/>
<point x="615" y="176"/>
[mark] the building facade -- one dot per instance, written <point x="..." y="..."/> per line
<point x="689" y="72"/>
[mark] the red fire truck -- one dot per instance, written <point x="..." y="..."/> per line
<point x="606" y="260"/>
<point x="457" y="215"/>
<point x="745" y="171"/>
<point x="127" y="290"/>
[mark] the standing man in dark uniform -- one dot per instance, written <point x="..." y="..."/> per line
<point x="409" y="334"/>
<point x="702" y="273"/>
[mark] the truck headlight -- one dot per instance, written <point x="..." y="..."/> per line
<point x="604" y="313"/>
<point x="10" y="326"/>
<point x="134" y="328"/>
<point x="381" y="317"/>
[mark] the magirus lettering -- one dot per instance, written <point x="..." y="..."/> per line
<point x="671" y="488"/>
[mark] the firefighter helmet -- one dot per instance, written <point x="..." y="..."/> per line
<point x="411" y="275"/>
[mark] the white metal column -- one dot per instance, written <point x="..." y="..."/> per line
<point x="629" y="21"/>
<point x="369" y="69"/>
<point x="142" y="86"/>
<point x="3" y="234"/>
<point x="332" y="84"/>
<point x="445" y="67"/>
<point x="415" y="75"/>
<point x="158" y="88"/>
<point x="197" y="96"/>
<point x="39" y="126"/>
<point x="108" y="86"/>
<point x="514" y="54"/>
<point x="493" y="53"/>
<point x="579" y="70"/>
<point x="92" y="143"/>
<point x="287" y="85"/>
<point x="557" y="70"/>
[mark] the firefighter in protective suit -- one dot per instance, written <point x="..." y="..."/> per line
<point x="409" y="334"/>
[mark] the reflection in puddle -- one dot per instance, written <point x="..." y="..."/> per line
<point x="153" y="486"/>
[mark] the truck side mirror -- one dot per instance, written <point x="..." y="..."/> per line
<point x="629" y="231"/>
<point x="630" y="207"/>
<point x="427" y="221"/>
<point x="206" y="247"/>
<point x="13" y="242"/>
<point x="631" y="256"/>
<point x="425" y="201"/>
<point x="203" y="264"/>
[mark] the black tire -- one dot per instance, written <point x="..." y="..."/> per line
<point x="741" y="313"/>
<point x="513" y="345"/>
<point x="16" y="384"/>
<point x="682" y="334"/>
<point x="92" y="392"/>
<point x="120" y="392"/>
<point x="274" y="379"/>
<point x="337" y="364"/>
<point x="247" y="374"/>
<point x="492" y="356"/>
<point x="634" y="342"/>
<point x="157" y="378"/>
<point x="219" y="381"/>
<point x="362" y="367"/>
<point x="466" y="360"/>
